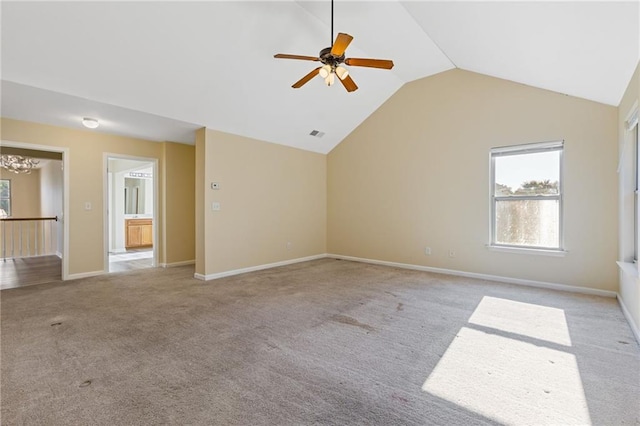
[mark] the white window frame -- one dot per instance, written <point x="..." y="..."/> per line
<point x="628" y="186"/>
<point x="632" y="127"/>
<point x="532" y="148"/>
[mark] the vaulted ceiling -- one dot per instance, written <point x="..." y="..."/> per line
<point x="159" y="70"/>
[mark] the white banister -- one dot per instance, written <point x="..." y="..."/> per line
<point x="36" y="233"/>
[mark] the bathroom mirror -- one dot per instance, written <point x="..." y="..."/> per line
<point x="135" y="194"/>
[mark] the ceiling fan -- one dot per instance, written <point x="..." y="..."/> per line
<point x="332" y="58"/>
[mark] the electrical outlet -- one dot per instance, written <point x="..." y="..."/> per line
<point x="452" y="253"/>
<point x="427" y="251"/>
<point x="215" y="206"/>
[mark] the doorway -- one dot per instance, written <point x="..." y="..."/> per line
<point x="34" y="234"/>
<point x="131" y="210"/>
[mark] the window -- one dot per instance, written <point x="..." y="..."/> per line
<point x="5" y="196"/>
<point x="629" y="170"/>
<point x="636" y="178"/>
<point x="526" y="196"/>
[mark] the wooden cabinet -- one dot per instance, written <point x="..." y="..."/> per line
<point x="139" y="233"/>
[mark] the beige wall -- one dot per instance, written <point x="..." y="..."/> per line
<point x="51" y="200"/>
<point x="416" y="174"/>
<point x="86" y="149"/>
<point x="629" y="283"/>
<point x="25" y="193"/>
<point x="201" y="225"/>
<point x="179" y="183"/>
<point x="270" y="195"/>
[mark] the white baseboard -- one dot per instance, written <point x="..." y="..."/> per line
<point x="118" y="250"/>
<point x="59" y="255"/>
<point x="84" y="275"/>
<point x="627" y="315"/>
<point x="174" y="264"/>
<point x="215" y="276"/>
<point x="529" y="283"/>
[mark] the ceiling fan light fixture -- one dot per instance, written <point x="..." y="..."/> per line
<point x="331" y="57"/>
<point x="342" y="72"/>
<point x="330" y="79"/>
<point x="90" y="123"/>
<point x="325" y="71"/>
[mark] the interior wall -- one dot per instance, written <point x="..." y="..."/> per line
<point x="51" y="198"/>
<point x="416" y="174"/>
<point x="179" y="175"/>
<point x="629" y="281"/>
<point x="272" y="202"/>
<point x="25" y="193"/>
<point x="86" y="149"/>
<point x="201" y="224"/>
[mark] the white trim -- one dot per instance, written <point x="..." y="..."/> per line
<point x="631" y="119"/>
<point x="85" y="275"/>
<point x="629" y="318"/>
<point x="527" y="250"/>
<point x="105" y="192"/>
<point x="65" y="193"/>
<point x="59" y="254"/>
<point x="174" y="264"/>
<point x="215" y="276"/>
<point x="630" y="122"/>
<point x="527" y="148"/>
<point x="629" y="268"/>
<point x="509" y="280"/>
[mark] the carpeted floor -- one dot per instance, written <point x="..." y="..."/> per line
<point x="321" y="342"/>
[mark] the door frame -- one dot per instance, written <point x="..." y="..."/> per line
<point x="156" y="205"/>
<point x="65" y="193"/>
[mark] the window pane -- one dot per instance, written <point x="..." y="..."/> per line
<point x="5" y="188"/>
<point x="527" y="174"/>
<point x="528" y="223"/>
<point x="5" y="204"/>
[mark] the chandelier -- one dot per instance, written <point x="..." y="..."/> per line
<point x="17" y="163"/>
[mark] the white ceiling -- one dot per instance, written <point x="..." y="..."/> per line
<point x="159" y="70"/>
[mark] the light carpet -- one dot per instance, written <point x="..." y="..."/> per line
<point x="323" y="342"/>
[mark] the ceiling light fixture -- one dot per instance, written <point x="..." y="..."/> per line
<point x="90" y="123"/>
<point x="325" y="71"/>
<point x="17" y="163"/>
<point x="331" y="78"/>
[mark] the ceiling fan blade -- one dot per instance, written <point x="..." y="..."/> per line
<point x="341" y="43"/>
<point x="371" y="63"/>
<point x="349" y="84"/>
<point x="298" y="84"/>
<point x="304" y="58"/>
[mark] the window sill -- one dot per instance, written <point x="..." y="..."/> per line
<point x="629" y="268"/>
<point x="534" y="251"/>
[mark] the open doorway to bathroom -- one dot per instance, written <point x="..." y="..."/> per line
<point x="131" y="213"/>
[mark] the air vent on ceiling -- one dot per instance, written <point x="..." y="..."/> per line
<point x="317" y="133"/>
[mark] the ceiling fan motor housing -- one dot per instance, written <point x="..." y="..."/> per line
<point x="327" y="58"/>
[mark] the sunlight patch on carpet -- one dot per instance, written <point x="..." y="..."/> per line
<point x="526" y="319"/>
<point x="502" y="367"/>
